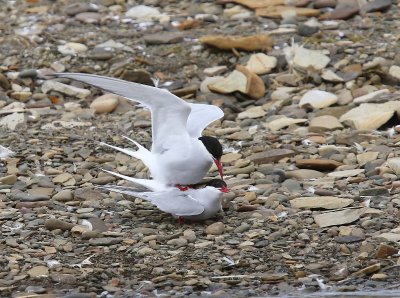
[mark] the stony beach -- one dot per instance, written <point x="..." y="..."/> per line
<point x="311" y="137"/>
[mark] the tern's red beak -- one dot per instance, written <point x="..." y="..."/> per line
<point x="224" y="189"/>
<point x="219" y="166"/>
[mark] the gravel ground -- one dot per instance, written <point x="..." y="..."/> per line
<point x="314" y="205"/>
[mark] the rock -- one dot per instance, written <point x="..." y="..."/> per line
<point x="216" y="228"/>
<point x="307" y="31"/>
<point x="85" y="194"/>
<point x="269" y="156"/>
<point x="62" y="178"/>
<point x="261" y="63"/>
<point x="38" y="271"/>
<point x="53" y="224"/>
<point x="368" y="270"/>
<point x="8" y="180"/>
<point x="370" y="96"/>
<point x="242" y="80"/>
<point x="72" y="48"/>
<point x="21" y="96"/>
<point x="104" y="241"/>
<point x="391" y="237"/>
<point x="377" y="5"/>
<point x="303" y="59"/>
<point x="304" y="174"/>
<point x="50" y="85"/>
<point x="215" y="71"/>
<point x="280" y="11"/>
<point x="343" y="11"/>
<point x="379" y="276"/>
<point x="89" y="17"/>
<point x="384" y="251"/>
<point x="12" y="121"/>
<point x="63" y="196"/>
<point x="209" y="81"/>
<point x="282" y="122"/>
<point x="394" y="165"/>
<point x="144" y="13"/>
<point x="394" y="71"/>
<point x="365" y="157"/>
<point x="346" y="173"/>
<point x="324" y="123"/>
<point x="248" y="43"/>
<point x="330" y="76"/>
<point x="105" y="103"/>
<point x="163" y="38"/>
<point x="338" y="218"/>
<point x="345" y="97"/>
<point x="378" y="114"/>
<point x="317" y="99"/>
<point x="318" y="164"/>
<point x="325" y="202"/>
<point x="252" y="113"/>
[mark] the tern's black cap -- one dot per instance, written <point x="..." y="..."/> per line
<point x="213" y="146"/>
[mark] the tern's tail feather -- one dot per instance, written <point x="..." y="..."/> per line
<point x="142" y="153"/>
<point x="149" y="184"/>
<point x="130" y="191"/>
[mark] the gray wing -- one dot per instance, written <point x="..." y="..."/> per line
<point x="171" y="201"/>
<point x="169" y="112"/>
<point x="200" y="117"/>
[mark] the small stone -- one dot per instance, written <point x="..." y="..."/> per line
<point x="252" y="113"/>
<point x="9" y="180"/>
<point x="85" y="194"/>
<point x="89" y="17"/>
<point x="63" y="196"/>
<point x="325" y="202"/>
<point x="50" y="85"/>
<point x="346" y="173"/>
<point x="54" y="224"/>
<point x="12" y="121"/>
<point x="261" y="63"/>
<point x="384" y="251"/>
<point x="216" y="228"/>
<point x="338" y="218"/>
<point x="318" y="164"/>
<point x="104" y="241"/>
<point x="379" y="276"/>
<point x="368" y="270"/>
<point x="179" y="242"/>
<point x="246" y="43"/>
<point x="72" y="48"/>
<point x="370" y="97"/>
<point x="304" y="59"/>
<point x="366" y="157"/>
<point x="215" y="71"/>
<point x="143" y="13"/>
<point x="38" y="271"/>
<point x="282" y="122"/>
<point x="105" y="103"/>
<point x="324" y="123"/>
<point x="317" y="99"/>
<point x="189" y="235"/>
<point x="304" y="174"/>
<point x="269" y="156"/>
<point x="163" y="38"/>
<point x="391" y="237"/>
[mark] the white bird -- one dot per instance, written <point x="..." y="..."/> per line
<point x="179" y="155"/>
<point x="193" y="204"/>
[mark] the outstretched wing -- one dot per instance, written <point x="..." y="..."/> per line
<point x="169" y="112"/>
<point x="200" y="117"/>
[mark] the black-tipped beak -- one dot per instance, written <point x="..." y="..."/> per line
<point x="219" y="166"/>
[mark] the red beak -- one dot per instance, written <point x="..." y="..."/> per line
<point x="224" y="189"/>
<point x="219" y="166"/>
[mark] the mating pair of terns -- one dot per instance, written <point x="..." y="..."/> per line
<point x="179" y="157"/>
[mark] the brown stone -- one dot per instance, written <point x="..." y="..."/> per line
<point x="368" y="270"/>
<point x="269" y="156"/>
<point x="385" y="250"/>
<point x="277" y="11"/>
<point x="318" y="164"/>
<point x="246" y="43"/>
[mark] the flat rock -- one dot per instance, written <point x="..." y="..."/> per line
<point x="394" y="72"/>
<point x="12" y="121"/>
<point x="394" y="165"/>
<point x="330" y="76"/>
<point x="87" y="194"/>
<point x="246" y="43"/>
<point x="105" y="103"/>
<point x="304" y="59"/>
<point x="89" y="17"/>
<point x="38" y="271"/>
<point x="278" y="11"/>
<point x="384" y="251"/>
<point x="318" y="164"/>
<point x="50" y="85"/>
<point x="144" y="13"/>
<point x="338" y="218"/>
<point x="63" y="196"/>
<point x="325" y="202"/>
<point x="378" y="114"/>
<point x="216" y="228"/>
<point x="304" y="174"/>
<point x="269" y="156"/>
<point x="72" y="48"/>
<point x="391" y="237"/>
<point x="324" y="123"/>
<point x="346" y="173"/>
<point x="365" y="157"/>
<point x="261" y="64"/>
<point x="282" y="122"/>
<point x="370" y="96"/>
<point x="317" y="99"/>
<point x="163" y="38"/>
<point x="253" y="112"/>
<point x="8" y="180"/>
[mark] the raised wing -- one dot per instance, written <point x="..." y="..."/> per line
<point x="200" y="117"/>
<point x="169" y="112"/>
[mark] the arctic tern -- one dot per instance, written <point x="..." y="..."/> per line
<point x="180" y="155"/>
<point x="194" y="204"/>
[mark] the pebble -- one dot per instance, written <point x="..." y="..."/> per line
<point x="216" y="228"/>
<point x="105" y="103"/>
